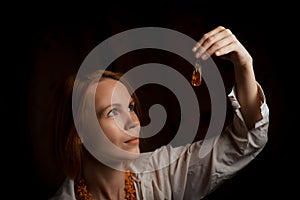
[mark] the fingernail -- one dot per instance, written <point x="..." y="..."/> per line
<point x="204" y="56"/>
<point x="194" y="49"/>
<point x="197" y="55"/>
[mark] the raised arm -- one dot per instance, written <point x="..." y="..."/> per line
<point x="222" y="42"/>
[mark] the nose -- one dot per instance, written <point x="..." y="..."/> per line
<point x="131" y="122"/>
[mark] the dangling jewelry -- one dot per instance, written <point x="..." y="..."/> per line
<point x="196" y="76"/>
<point x="82" y="193"/>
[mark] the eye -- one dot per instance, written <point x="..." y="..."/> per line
<point x="131" y="107"/>
<point x="113" y="112"/>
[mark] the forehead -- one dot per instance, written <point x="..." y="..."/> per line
<point x="110" y="91"/>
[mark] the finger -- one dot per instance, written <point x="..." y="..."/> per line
<point x="225" y="49"/>
<point x="208" y="42"/>
<point x="216" y="47"/>
<point x="214" y="42"/>
<point x="207" y="35"/>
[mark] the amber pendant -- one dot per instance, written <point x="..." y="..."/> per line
<point x="196" y="76"/>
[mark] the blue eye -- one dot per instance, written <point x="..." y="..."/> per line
<point x="112" y="112"/>
<point x="131" y="107"/>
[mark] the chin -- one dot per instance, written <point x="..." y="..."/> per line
<point x="134" y="151"/>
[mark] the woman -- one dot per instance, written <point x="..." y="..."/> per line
<point x="189" y="176"/>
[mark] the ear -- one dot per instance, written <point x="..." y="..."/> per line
<point x="79" y="141"/>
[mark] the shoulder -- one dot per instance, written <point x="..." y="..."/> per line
<point x="65" y="192"/>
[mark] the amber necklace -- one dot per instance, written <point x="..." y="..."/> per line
<point x="82" y="192"/>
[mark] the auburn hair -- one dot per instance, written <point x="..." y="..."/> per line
<point x="66" y="144"/>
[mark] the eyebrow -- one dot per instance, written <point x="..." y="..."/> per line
<point x="131" y="101"/>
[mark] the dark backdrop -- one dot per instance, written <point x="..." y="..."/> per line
<point x="43" y="44"/>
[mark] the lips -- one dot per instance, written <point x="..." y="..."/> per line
<point x="134" y="140"/>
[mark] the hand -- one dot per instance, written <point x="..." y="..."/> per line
<point x="221" y="42"/>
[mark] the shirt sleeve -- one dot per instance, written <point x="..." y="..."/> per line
<point x="232" y="151"/>
<point x="192" y="175"/>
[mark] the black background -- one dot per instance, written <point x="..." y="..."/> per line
<point x="43" y="43"/>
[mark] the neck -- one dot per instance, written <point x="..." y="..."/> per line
<point x="103" y="181"/>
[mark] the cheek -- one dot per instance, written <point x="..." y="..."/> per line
<point x="138" y="128"/>
<point x="111" y="130"/>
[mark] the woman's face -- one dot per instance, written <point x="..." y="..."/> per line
<point x="115" y="112"/>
